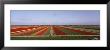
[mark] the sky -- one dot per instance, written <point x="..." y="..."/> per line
<point x="55" y="17"/>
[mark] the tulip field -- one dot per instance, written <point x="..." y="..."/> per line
<point x="55" y="32"/>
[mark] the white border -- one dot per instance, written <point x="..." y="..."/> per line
<point x="56" y="43"/>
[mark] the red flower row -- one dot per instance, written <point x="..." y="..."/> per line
<point x="57" y="31"/>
